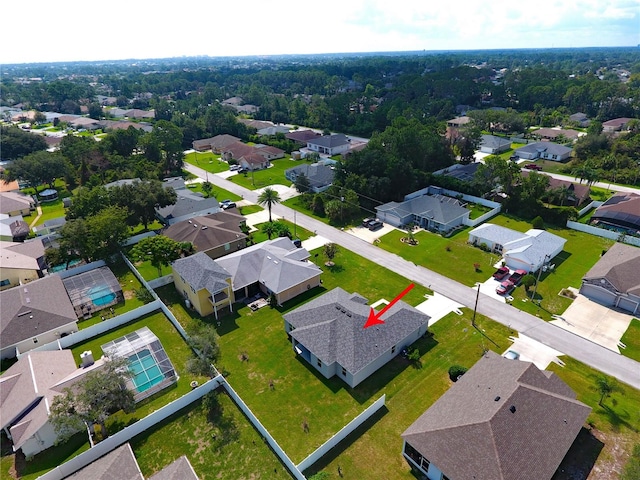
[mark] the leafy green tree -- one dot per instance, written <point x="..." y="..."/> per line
<point x="88" y="201"/>
<point x="605" y="386"/>
<point x="107" y="230"/>
<point x="269" y="228"/>
<point x="167" y="137"/>
<point x="122" y="142"/>
<point x="141" y="199"/>
<point x="456" y="371"/>
<point x="74" y="239"/>
<point x="91" y="400"/>
<point x="207" y="188"/>
<point x="330" y="250"/>
<point x="528" y="281"/>
<point x="538" y="223"/>
<point x="37" y="168"/>
<point x="317" y="204"/>
<point x="16" y="143"/>
<point x="204" y="342"/>
<point x="282" y="229"/>
<point x="269" y="197"/>
<point x="159" y="250"/>
<point x="302" y="183"/>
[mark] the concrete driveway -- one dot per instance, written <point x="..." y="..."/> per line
<point x="595" y="322"/>
<point x="369" y="236"/>
<point x="285" y="192"/>
<point x="535" y="352"/>
<point x="438" y="306"/>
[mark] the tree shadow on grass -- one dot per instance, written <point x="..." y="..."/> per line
<point x="336" y="451"/>
<point x="581" y="457"/>
<point x="617" y="419"/>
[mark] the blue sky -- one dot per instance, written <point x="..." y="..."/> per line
<point x="48" y="31"/>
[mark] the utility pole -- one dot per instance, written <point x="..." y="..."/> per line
<point x="535" y="288"/>
<point x="475" y="308"/>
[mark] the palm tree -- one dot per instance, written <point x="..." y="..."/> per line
<point x="269" y="197"/>
<point x="605" y="387"/>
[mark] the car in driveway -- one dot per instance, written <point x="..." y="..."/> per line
<point x="516" y="276"/>
<point x="375" y="225"/>
<point x="500" y="273"/>
<point x="505" y="287"/>
<point x="512" y="355"/>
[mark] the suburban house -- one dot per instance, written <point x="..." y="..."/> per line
<point x="188" y="205"/>
<point x="121" y="463"/>
<point x="34" y="314"/>
<point x="15" y="203"/>
<point x="13" y="229"/>
<point x="269" y="152"/>
<point x="494" y="145"/>
<point x="553" y="133"/>
<point x="544" y="151"/>
<point x="580" y="118"/>
<point x="215" y="144"/>
<point x="527" y="251"/>
<point x="458" y="122"/>
<point x="621" y="212"/>
<point x="273" y="130"/>
<point x="236" y="150"/>
<point x="503" y="419"/>
<point x="320" y="176"/>
<point x="21" y="263"/>
<point x="253" y="161"/>
<point x="257" y="124"/>
<point x="28" y="389"/>
<point x="328" y="333"/>
<point x="275" y="267"/>
<point x="431" y="212"/>
<point x="615" y="280"/>
<point x="615" y="125"/>
<point x="464" y="173"/>
<point x="205" y="285"/>
<point x="302" y="136"/>
<point x="577" y="193"/>
<point x="216" y="235"/>
<point x="330" y="145"/>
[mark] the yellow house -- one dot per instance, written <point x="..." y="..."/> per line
<point x="20" y="262"/>
<point x="204" y="284"/>
<point x="16" y="203"/>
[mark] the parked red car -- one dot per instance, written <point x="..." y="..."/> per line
<point x="533" y="166"/>
<point x="505" y="287"/>
<point x="500" y="273"/>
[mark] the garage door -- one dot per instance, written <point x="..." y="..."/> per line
<point x="629" y="305"/>
<point x="599" y="295"/>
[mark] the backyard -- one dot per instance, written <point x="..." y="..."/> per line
<point x="179" y="353"/>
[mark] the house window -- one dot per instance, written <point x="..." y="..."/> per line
<point x="498" y="248"/>
<point x="5" y="282"/>
<point x="319" y="363"/>
<point x="393" y="349"/>
<point x="227" y="246"/>
<point x="344" y="372"/>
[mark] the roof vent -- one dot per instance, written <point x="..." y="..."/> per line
<point x="190" y="221"/>
<point x="348" y="314"/>
<point x="204" y="228"/>
<point x="496" y="399"/>
<point x="512" y="409"/>
<point x="195" y="225"/>
<point x="337" y="307"/>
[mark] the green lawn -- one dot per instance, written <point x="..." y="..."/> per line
<point x="269" y="176"/>
<point x="631" y="339"/>
<point x="224" y="446"/>
<point x="248" y="209"/>
<point x="455" y="258"/>
<point x="217" y="192"/>
<point x="297" y="204"/>
<point x="50" y="210"/>
<point x="178" y="352"/>
<point x="300" y="233"/>
<point x="208" y="161"/>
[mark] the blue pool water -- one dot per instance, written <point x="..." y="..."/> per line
<point x="146" y="372"/>
<point x="101" y="295"/>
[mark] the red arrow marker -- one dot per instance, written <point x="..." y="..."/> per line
<point x="374" y="318"/>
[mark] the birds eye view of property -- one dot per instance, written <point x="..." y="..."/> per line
<point x="398" y="265"/>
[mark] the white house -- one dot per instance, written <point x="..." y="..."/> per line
<point x="527" y="251"/>
<point x="330" y="145"/>
<point x="544" y="151"/>
<point x="328" y="332"/>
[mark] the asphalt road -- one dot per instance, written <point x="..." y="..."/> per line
<point x="592" y="354"/>
<point x="607" y="186"/>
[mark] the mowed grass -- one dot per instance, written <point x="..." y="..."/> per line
<point x="296" y="232"/>
<point x="631" y="339"/>
<point x="224" y="446"/>
<point x="179" y="353"/>
<point x="208" y="161"/>
<point x="455" y="258"/>
<point x="269" y="176"/>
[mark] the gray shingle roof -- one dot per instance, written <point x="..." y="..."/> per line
<point x="329" y="141"/>
<point x="440" y="208"/>
<point x="277" y="264"/>
<point x="119" y="464"/>
<point x="180" y="469"/>
<point x="34" y="308"/>
<point x="620" y="266"/>
<point x="499" y="442"/>
<point x="331" y="327"/>
<point x="318" y="175"/>
<point x="188" y="203"/>
<point x="549" y="147"/>
<point x="209" y="231"/>
<point x="200" y="271"/>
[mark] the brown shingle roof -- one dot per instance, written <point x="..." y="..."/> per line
<point x="503" y="419"/>
<point x="301" y="136"/>
<point x="209" y="231"/>
<point x="239" y="149"/>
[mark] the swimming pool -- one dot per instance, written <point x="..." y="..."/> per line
<point x="101" y="295"/>
<point x="145" y="369"/>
